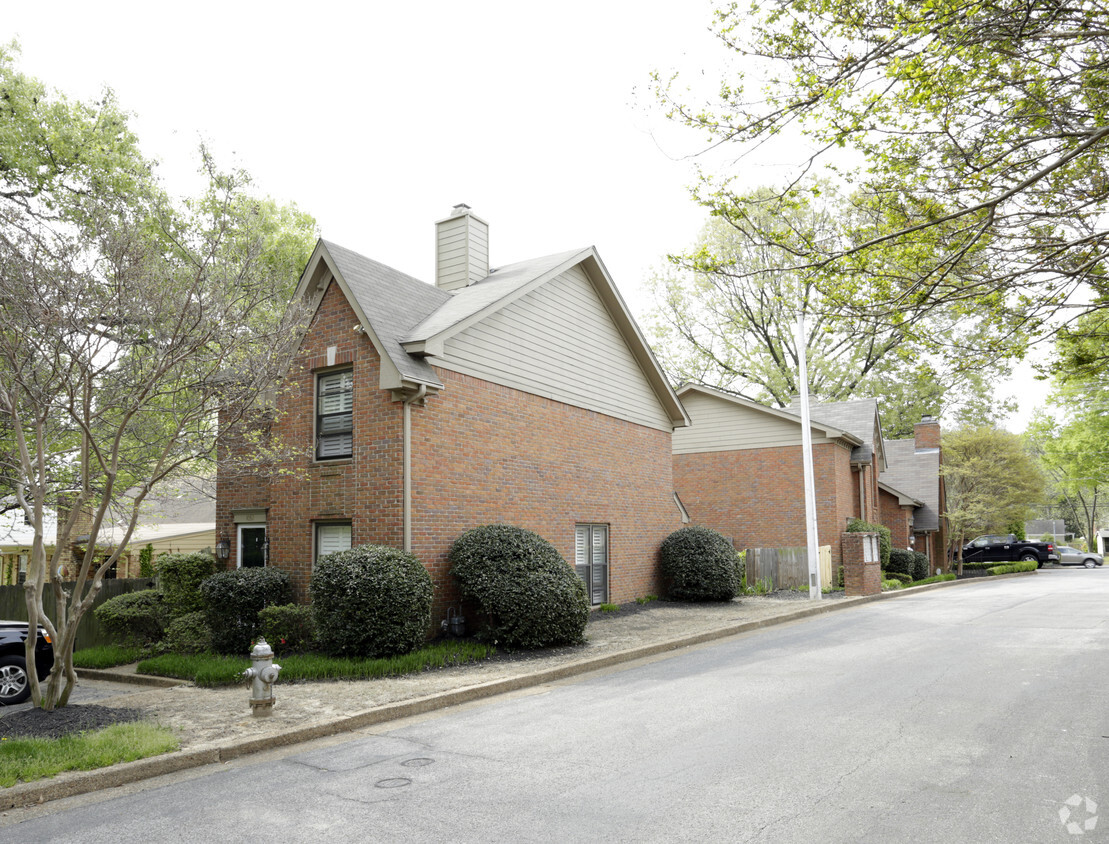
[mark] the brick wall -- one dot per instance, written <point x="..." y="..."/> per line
<point x="364" y="489"/>
<point x="481" y="453"/>
<point x="756" y="496"/>
<point x="896" y="518"/>
<point x="484" y="453"/>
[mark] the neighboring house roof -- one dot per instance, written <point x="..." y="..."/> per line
<point x="829" y="431"/>
<point x="917" y="473"/>
<point x="860" y="417"/>
<point x="903" y="498"/>
<point x="408" y="320"/>
<point x="15" y="533"/>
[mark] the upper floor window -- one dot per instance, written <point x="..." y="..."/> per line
<point x="334" y="416"/>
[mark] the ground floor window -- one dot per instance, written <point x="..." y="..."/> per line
<point x="332" y="537"/>
<point x="253" y="547"/>
<point x="591" y="560"/>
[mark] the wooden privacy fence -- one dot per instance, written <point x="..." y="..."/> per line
<point x="787" y="568"/>
<point x="13" y="605"/>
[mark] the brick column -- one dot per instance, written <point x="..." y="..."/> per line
<point x="862" y="565"/>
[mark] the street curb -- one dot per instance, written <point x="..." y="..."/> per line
<point x="129" y="677"/>
<point x="70" y="784"/>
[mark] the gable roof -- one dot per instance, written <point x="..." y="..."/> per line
<point x="409" y="320"/>
<point x="830" y="431"/>
<point x="917" y="473"/>
<point x="860" y="417"/>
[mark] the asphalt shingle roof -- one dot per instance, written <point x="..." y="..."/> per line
<point x="393" y="302"/>
<point x="916" y="473"/>
<point x="856" y="417"/>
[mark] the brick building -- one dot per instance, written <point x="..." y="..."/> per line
<point x="524" y="395"/>
<point x="914" y="468"/>
<point x="738" y="468"/>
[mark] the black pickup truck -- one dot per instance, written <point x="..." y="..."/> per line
<point x="1006" y="548"/>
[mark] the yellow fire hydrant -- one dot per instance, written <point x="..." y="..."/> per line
<point x="262" y="674"/>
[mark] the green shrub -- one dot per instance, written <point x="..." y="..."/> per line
<point x="188" y="634"/>
<point x="839" y="578"/>
<point x="902" y="562"/>
<point x="885" y="542"/>
<point x="146" y="561"/>
<point x="528" y="595"/>
<point x="922" y="566"/>
<point x="888" y="585"/>
<point x="936" y="578"/>
<point x="371" y="601"/>
<point x="1012" y="568"/>
<point x="179" y="578"/>
<point x="134" y="618"/>
<point x="288" y="628"/>
<point x="897" y="575"/>
<point x="232" y="601"/>
<point x="699" y="564"/>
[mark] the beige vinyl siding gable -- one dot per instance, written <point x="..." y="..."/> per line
<point x="721" y="425"/>
<point x="560" y="342"/>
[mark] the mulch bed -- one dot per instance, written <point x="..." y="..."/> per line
<point x="75" y="718"/>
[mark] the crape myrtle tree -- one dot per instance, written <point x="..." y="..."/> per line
<point x="974" y="135"/>
<point x="725" y="316"/>
<point x="130" y="326"/>
<point x="991" y="481"/>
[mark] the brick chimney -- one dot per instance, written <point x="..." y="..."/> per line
<point x="926" y="432"/>
<point x="461" y="249"/>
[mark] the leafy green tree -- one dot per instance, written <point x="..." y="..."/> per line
<point x="1074" y="456"/>
<point x="726" y="315"/>
<point x="991" y="481"/>
<point x="982" y="129"/>
<point x="131" y="328"/>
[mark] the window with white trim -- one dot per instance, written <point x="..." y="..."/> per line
<point x="334" y="414"/>
<point x="332" y="537"/>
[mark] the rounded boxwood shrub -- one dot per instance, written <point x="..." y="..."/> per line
<point x="134" y="618"/>
<point x="179" y="578"/>
<point x="233" y="599"/>
<point x="921" y="565"/>
<point x="528" y="595"/>
<point x="288" y="628"/>
<point x="188" y="634"/>
<point x="901" y="562"/>
<point x="699" y="564"/>
<point x="371" y="601"/>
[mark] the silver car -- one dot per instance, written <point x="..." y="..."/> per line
<point x="1073" y="557"/>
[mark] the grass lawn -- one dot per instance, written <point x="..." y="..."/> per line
<point x="106" y="656"/>
<point x="216" y="670"/>
<point x="24" y="760"/>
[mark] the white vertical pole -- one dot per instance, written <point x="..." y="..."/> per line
<point x="806" y="449"/>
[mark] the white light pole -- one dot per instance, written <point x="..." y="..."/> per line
<point x="806" y="449"/>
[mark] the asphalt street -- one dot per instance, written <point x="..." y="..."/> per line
<point x="975" y="713"/>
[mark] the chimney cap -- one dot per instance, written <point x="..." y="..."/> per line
<point x="926" y="418"/>
<point x="459" y="209"/>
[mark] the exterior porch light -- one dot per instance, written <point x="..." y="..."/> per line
<point x="223" y="549"/>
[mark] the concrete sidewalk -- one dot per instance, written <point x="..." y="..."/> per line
<point x="215" y="724"/>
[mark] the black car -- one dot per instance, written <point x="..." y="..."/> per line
<point x="15" y="687"/>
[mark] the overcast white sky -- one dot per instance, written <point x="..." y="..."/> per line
<point x="376" y="118"/>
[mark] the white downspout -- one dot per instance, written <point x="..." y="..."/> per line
<point x="406" y="503"/>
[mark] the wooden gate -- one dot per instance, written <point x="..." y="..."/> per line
<point x="786" y="568"/>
